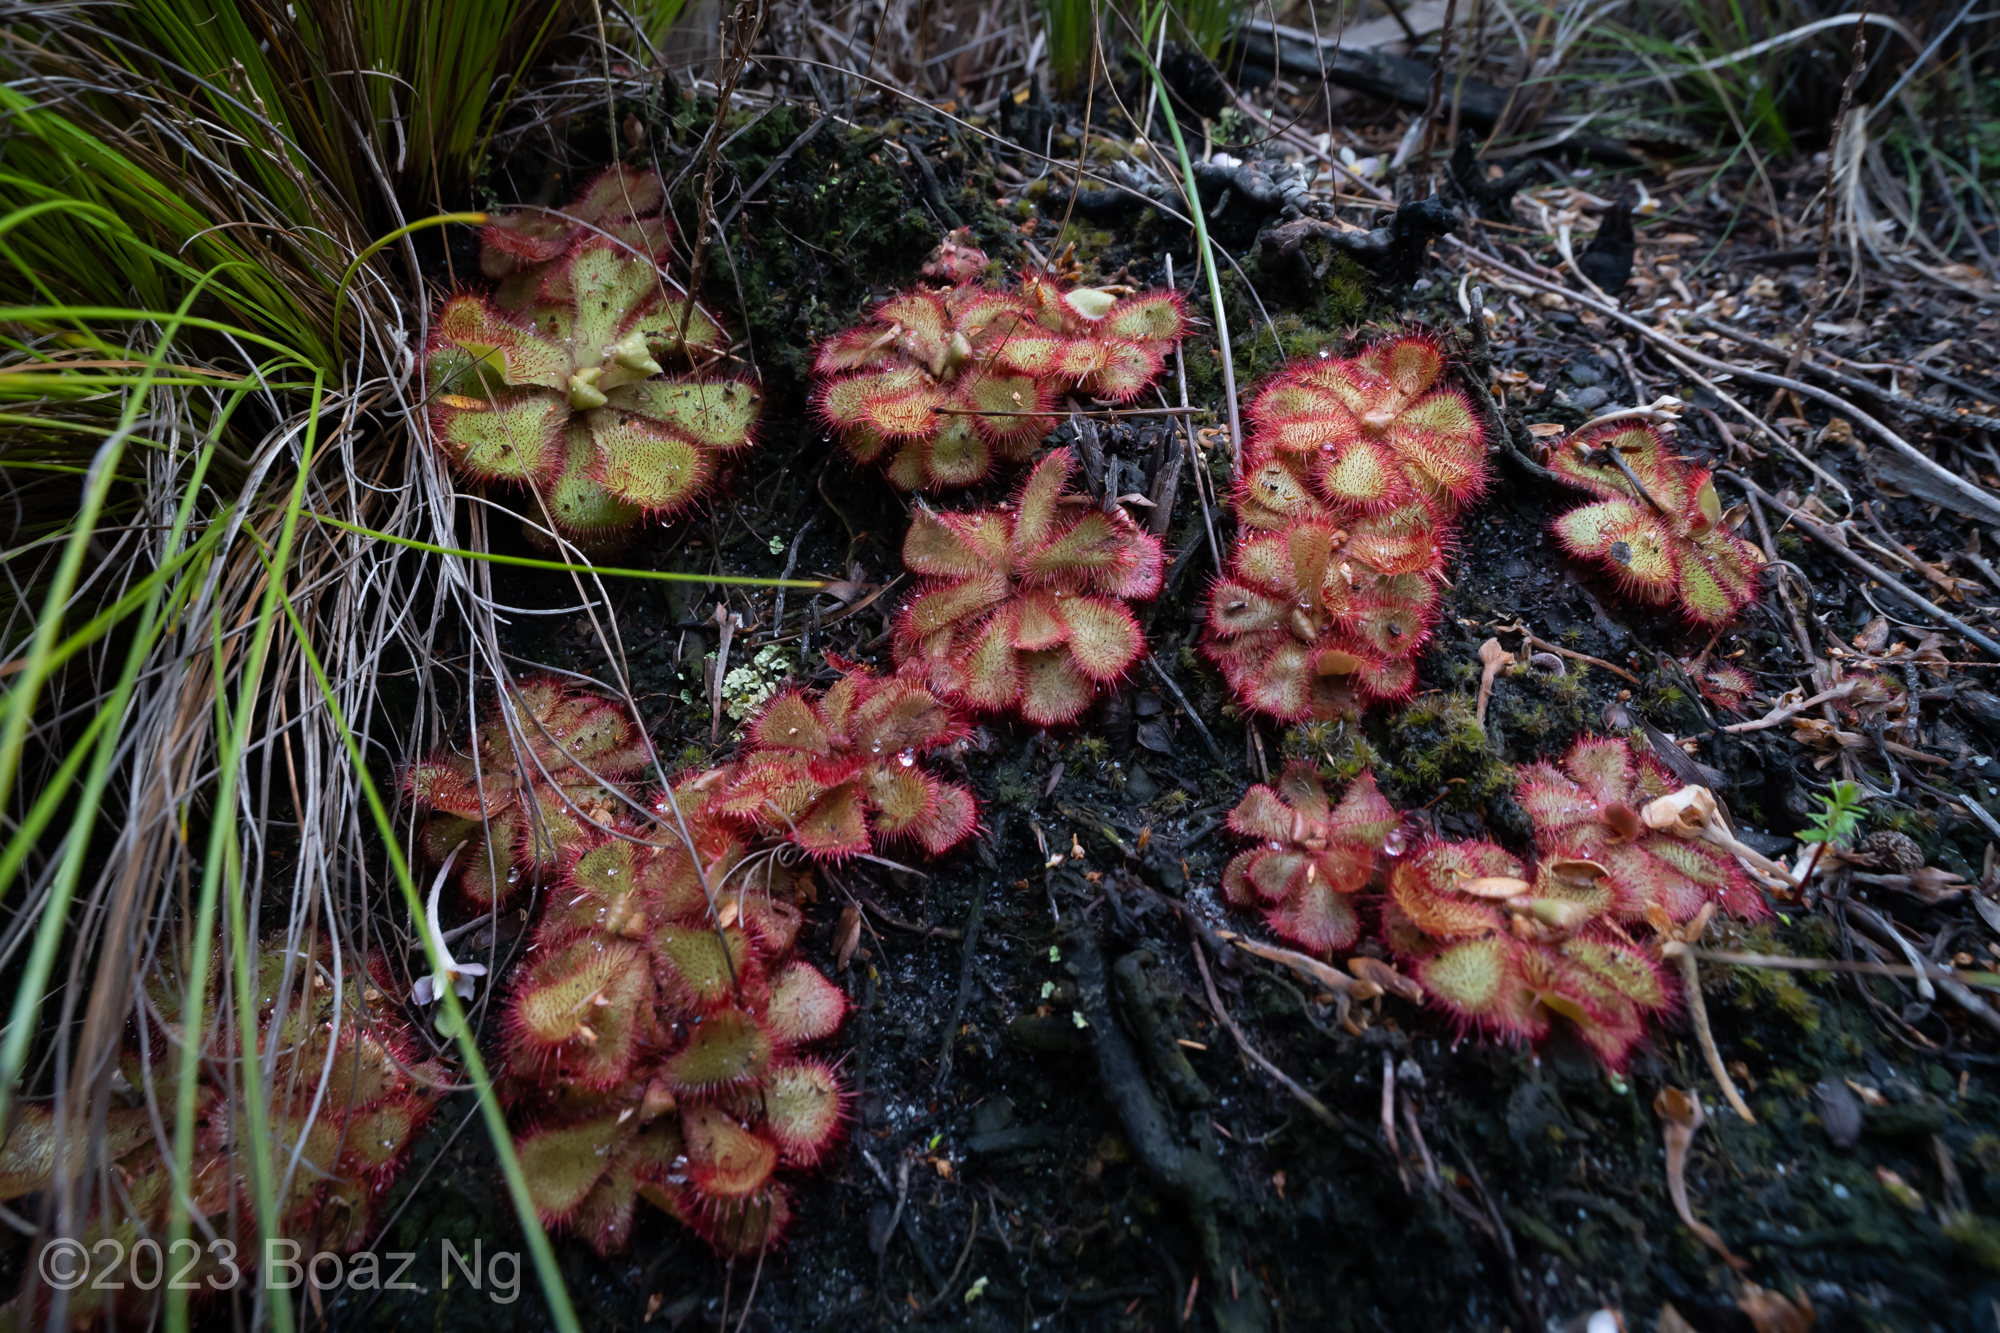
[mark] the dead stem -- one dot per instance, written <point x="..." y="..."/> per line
<point x="1827" y="537"/>
<point x="1304" y="1098"/>
<point x="1684" y="1118"/>
<point x="1560" y="651"/>
<point x="1698" y="1016"/>
<point x="1790" y="711"/>
<point x="1982" y="502"/>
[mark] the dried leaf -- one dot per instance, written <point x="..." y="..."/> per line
<point x="1771" y="1313"/>
<point x="1493" y="886"/>
<point x="846" y="937"/>
<point x="1385" y="976"/>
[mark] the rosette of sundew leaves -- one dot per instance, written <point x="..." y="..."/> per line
<point x="1022" y="608"/>
<point x="941" y="382"/>
<point x="1585" y="809"/>
<point x="1658" y="525"/>
<point x="660" y="1034"/>
<point x="351" y="1087"/>
<point x="568" y="396"/>
<point x="518" y="248"/>
<point x="1311" y="855"/>
<point x="1505" y="955"/>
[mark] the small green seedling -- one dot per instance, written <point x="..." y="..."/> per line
<point x="1838" y="816"/>
<point x="1834" y="822"/>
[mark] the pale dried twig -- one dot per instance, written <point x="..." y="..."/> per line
<point x="1304" y="1098"/>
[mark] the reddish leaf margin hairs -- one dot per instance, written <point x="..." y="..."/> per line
<point x="555" y="380"/>
<point x="1586" y="808"/>
<point x="513" y="802"/>
<point x="1352" y="479"/>
<point x="1660" y="530"/>
<point x="1501" y="948"/>
<point x="660" y="1032"/>
<point x="1505" y="955"/>
<point x="839" y="774"/>
<point x="1311" y="856"/>
<point x="1022" y="608"/>
<point x="352" y="1089"/>
<point x="940" y="382"/>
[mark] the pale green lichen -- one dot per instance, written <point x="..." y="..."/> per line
<point x="748" y="687"/>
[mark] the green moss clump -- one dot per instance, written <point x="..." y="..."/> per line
<point x="1339" y="748"/>
<point x="1013" y="786"/>
<point x="836" y="221"/>
<point x="1436" y="748"/>
<point x="1091" y="749"/>
<point x="1759" y="989"/>
<point x="1340" y="301"/>
<point x="1091" y="243"/>
<point x="1535" y="713"/>
<point x="1787" y="1081"/>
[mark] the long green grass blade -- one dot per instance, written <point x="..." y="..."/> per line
<point x="553" y="1288"/>
<point x="18" y="707"/>
<point x="606" y="571"/>
<point x="223" y="872"/>
<point x="1195" y="211"/>
<point x="145" y="597"/>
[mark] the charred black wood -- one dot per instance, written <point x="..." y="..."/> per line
<point x="1607" y="260"/>
<point x="1392" y="254"/>
<point x="1480" y="104"/>
<point x="1492" y="197"/>
<point x="1196" y="1177"/>
<point x="1196" y="84"/>
<point x="1149" y="1009"/>
<point x="1237" y="197"/>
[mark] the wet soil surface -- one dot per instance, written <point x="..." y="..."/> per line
<point x="1007" y="1169"/>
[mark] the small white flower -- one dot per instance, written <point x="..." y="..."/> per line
<point x="456" y="975"/>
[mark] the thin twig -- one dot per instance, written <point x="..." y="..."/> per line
<point x="1802" y="333"/>
<point x="1389" y="1117"/>
<point x="1698" y="1015"/>
<point x="1786" y="963"/>
<point x="791" y="563"/>
<point x="806" y="136"/>
<point x="1982" y="502"/>
<point x="958" y="1269"/>
<point x="1790" y="711"/>
<point x="1305" y="1099"/>
<point x="1618" y="460"/>
<point x="1099" y="414"/>
<point x="1889" y="582"/>
<point x="1561" y="651"/>
<point x="1188" y="708"/>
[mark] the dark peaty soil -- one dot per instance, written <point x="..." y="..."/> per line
<point x="1007" y="1169"/>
